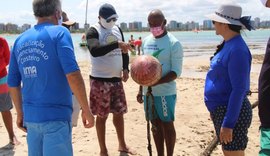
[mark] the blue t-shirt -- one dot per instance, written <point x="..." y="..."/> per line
<point x="169" y="52"/>
<point x="40" y="59"/>
<point x="228" y="79"/>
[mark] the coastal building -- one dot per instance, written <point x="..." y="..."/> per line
<point x="2" y="27"/>
<point x="11" y="28"/>
<point x="257" y="21"/>
<point x="207" y="25"/>
<point x="135" y="26"/>
<point x="76" y="26"/>
<point x="173" y="25"/>
<point x="265" y="24"/>
<point x="25" y="27"/>
<point x="124" y="26"/>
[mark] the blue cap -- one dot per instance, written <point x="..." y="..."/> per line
<point x="107" y="11"/>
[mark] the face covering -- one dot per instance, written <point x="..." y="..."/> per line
<point x="60" y="21"/>
<point x="264" y="2"/>
<point x="107" y="25"/>
<point x="157" y="31"/>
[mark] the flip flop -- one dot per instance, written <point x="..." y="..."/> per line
<point x="128" y="151"/>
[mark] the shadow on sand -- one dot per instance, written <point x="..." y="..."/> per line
<point x="7" y="150"/>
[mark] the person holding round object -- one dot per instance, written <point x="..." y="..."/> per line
<point x="168" y="51"/>
<point x="227" y="82"/>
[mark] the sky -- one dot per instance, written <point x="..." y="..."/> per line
<point x="20" y="11"/>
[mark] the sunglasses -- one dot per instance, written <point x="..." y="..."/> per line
<point x="111" y="19"/>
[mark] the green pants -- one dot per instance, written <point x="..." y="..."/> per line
<point x="265" y="142"/>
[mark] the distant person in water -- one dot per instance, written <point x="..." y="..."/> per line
<point x="131" y="42"/>
<point x="138" y="45"/>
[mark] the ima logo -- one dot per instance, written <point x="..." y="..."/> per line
<point x="30" y="71"/>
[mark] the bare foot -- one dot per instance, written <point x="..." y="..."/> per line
<point x="103" y="154"/>
<point x="127" y="150"/>
<point x="15" y="141"/>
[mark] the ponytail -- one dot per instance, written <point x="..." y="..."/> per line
<point x="219" y="47"/>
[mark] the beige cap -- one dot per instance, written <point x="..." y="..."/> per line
<point x="66" y="21"/>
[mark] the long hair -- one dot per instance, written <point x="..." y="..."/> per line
<point x="219" y="47"/>
<point x="235" y="28"/>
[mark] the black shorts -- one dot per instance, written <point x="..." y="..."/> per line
<point x="5" y="102"/>
<point x="240" y="130"/>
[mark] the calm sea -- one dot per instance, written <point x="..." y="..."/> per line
<point x="194" y="44"/>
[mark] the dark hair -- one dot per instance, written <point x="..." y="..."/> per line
<point x="235" y="28"/>
<point x="45" y="8"/>
<point x="219" y="47"/>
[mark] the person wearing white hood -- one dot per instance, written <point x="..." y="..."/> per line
<point x="264" y="98"/>
<point x="109" y="59"/>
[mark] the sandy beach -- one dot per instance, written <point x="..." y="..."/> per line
<point x="193" y="125"/>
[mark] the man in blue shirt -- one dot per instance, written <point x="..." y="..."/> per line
<point x="42" y="75"/>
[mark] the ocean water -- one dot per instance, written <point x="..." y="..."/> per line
<point x="194" y="44"/>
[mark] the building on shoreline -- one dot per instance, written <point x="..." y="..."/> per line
<point x="136" y="26"/>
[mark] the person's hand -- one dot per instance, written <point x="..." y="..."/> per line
<point x="125" y="75"/>
<point x="88" y="119"/>
<point x="157" y="83"/>
<point x="20" y="122"/>
<point x="211" y="117"/>
<point x="125" y="47"/>
<point x="140" y="97"/>
<point x="226" y="135"/>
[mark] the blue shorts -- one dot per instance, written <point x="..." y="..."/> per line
<point x="265" y="142"/>
<point x="49" y="138"/>
<point x="164" y="108"/>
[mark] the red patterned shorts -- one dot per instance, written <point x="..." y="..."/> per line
<point x="107" y="97"/>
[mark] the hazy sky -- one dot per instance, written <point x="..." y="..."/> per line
<point x="20" y="11"/>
